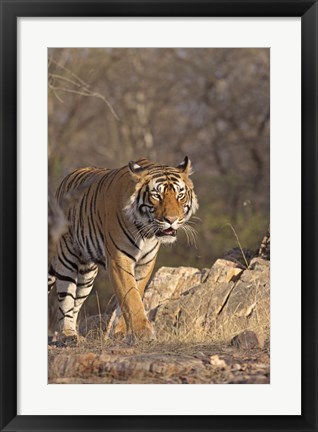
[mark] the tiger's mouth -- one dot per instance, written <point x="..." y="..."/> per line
<point x="167" y="232"/>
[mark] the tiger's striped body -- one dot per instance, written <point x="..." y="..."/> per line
<point x="118" y="221"/>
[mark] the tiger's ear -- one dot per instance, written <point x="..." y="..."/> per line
<point x="135" y="169"/>
<point x="185" y="166"/>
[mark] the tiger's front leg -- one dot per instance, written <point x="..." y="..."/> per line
<point x="143" y="272"/>
<point x="129" y="298"/>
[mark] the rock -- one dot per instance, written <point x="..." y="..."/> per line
<point x="159" y="364"/>
<point x="229" y="300"/>
<point x="169" y="283"/>
<point x="122" y="367"/>
<point x="250" y="291"/>
<point x="216" y="361"/>
<point x="246" y="340"/>
<point x="224" y="271"/>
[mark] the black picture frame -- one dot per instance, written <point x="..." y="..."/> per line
<point x="10" y="11"/>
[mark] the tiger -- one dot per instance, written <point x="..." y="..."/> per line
<point x="118" y="221"/>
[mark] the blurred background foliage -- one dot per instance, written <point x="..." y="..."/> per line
<point x="109" y="106"/>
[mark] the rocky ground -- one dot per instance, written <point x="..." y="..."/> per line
<point x="159" y="364"/>
<point x="212" y="326"/>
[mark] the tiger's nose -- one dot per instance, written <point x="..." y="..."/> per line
<point x="170" y="219"/>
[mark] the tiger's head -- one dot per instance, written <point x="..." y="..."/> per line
<point x="163" y="200"/>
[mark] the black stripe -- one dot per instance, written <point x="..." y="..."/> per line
<point x="117" y="171"/>
<point x="65" y="265"/>
<point x="164" y="171"/>
<point x="81" y="297"/>
<point x="99" y="227"/>
<point x="148" y="262"/>
<point x="85" y="237"/>
<point x="86" y="282"/>
<point x="126" y="271"/>
<point x="122" y="175"/>
<point x="101" y="235"/>
<point x="146" y="193"/>
<point x="75" y="267"/>
<point x="81" y="212"/>
<point x="97" y="246"/>
<point x="62" y="277"/>
<point x="68" y="216"/>
<point x="145" y="164"/>
<point x="121" y="250"/>
<point x="91" y="237"/>
<point x="69" y="180"/>
<point x="86" y="200"/>
<point x="98" y="187"/>
<point x="69" y="251"/>
<point x="100" y="220"/>
<point x="79" y="235"/>
<point x="145" y="161"/>
<point x="66" y="312"/>
<point x="88" y="247"/>
<point x="149" y="252"/>
<point x="62" y="184"/>
<point x="175" y="177"/>
<point x="85" y="271"/>
<point x="158" y="175"/>
<point x="64" y="294"/>
<point x="143" y="199"/>
<point x="126" y="234"/>
<point x="102" y="263"/>
<point x="160" y="181"/>
<point x="77" y="177"/>
<point x="156" y="169"/>
<point x="95" y="195"/>
<point x="83" y="178"/>
<point x="142" y="278"/>
<point x="138" y="196"/>
<point x="107" y="249"/>
<point x="65" y="316"/>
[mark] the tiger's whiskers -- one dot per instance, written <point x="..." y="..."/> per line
<point x="191" y="234"/>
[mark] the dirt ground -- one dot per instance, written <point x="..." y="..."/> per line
<point x="157" y="363"/>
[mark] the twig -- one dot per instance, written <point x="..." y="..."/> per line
<point x="82" y="87"/>
<point x="238" y="242"/>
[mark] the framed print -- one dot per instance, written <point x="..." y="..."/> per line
<point x="96" y="84"/>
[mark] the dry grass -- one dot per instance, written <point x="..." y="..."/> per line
<point x="191" y="330"/>
<point x="222" y="330"/>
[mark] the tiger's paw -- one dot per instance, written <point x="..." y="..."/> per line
<point x="69" y="339"/>
<point x="118" y="336"/>
<point x="144" y="334"/>
<point x="72" y="341"/>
